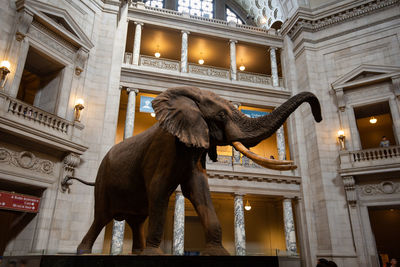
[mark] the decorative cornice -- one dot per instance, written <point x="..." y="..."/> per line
<point x="26" y="160"/>
<point x="307" y="20"/>
<point x="256" y="177"/>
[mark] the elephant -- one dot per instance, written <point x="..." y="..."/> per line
<point x="138" y="175"/>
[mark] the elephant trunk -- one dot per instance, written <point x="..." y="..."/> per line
<point x="254" y="130"/>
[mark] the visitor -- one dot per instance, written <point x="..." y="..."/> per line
<point x="271" y="157"/>
<point x="392" y="263"/>
<point x="384" y="142"/>
<point x="325" y="263"/>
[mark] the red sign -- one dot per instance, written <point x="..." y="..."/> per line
<point x="13" y="201"/>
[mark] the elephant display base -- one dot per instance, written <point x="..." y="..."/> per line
<point x="141" y="261"/>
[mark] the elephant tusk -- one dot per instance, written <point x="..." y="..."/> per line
<point x="267" y="163"/>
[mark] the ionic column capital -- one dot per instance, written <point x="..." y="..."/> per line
<point x="185" y="31"/>
<point x="272" y="48"/>
<point x="232" y="41"/>
<point x="138" y="23"/>
<point x="130" y="89"/>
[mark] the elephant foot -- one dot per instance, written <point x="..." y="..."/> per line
<point x="80" y="250"/>
<point x="152" y="251"/>
<point x="137" y="251"/>
<point x="215" y="250"/>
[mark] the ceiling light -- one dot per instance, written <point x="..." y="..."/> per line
<point x="153" y="114"/>
<point x="157" y="54"/>
<point x="201" y="61"/>
<point x="373" y="120"/>
<point x="247" y="206"/>
<point x="242" y="68"/>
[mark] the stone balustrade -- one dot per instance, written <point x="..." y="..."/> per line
<point x="209" y="71"/>
<point x="159" y="63"/>
<point x="23" y="119"/>
<point x="254" y="78"/>
<point x="380" y="153"/>
<point x="41" y="117"/>
<point x="230" y="161"/>
<point x="377" y="158"/>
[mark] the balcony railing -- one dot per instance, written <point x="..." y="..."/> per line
<point x="380" y="153"/>
<point x="381" y="157"/>
<point x="231" y="161"/>
<point x="159" y="63"/>
<point x="35" y="123"/>
<point x="25" y="111"/>
<point x="209" y="71"/>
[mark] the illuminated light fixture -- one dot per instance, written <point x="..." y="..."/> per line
<point x="373" y="120"/>
<point x="263" y="21"/>
<point x="4" y="70"/>
<point x="157" y="53"/>
<point x="242" y="67"/>
<point x="341" y="138"/>
<point x="201" y="60"/>
<point x="153" y="114"/>
<point x="78" y="108"/>
<point x="247" y="206"/>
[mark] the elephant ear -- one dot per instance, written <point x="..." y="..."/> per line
<point x="177" y="112"/>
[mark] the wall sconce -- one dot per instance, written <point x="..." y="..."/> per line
<point x="247" y="206"/>
<point x="157" y="53"/>
<point x="78" y="108"/>
<point x="4" y="70"/>
<point x="201" y="60"/>
<point x="341" y="138"/>
<point x="373" y="120"/>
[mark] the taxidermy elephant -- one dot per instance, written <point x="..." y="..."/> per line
<point x="137" y="176"/>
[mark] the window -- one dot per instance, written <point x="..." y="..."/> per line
<point x="40" y="81"/>
<point x="231" y="16"/>
<point x="201" y="8"/>
<point x="155" y="3"/>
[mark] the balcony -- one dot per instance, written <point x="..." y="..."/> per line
<point x="202" y="72"/>
<point x="32" y="123"/>
<point x="370" y="160"/>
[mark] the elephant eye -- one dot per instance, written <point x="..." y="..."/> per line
<point x="221" y="115"/>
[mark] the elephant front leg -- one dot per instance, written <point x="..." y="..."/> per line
<point x="197" y="191"/>
<point x="158" y="204"/>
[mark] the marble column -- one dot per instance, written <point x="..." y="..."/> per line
<point x="280" y="141"/>
<point x="178" y="246"/>
<point x="130" y="112"/>
<point x="240" y="234"/>
<point x="290" y="234"/>
<point x="274" y="66"/>
<point x="136" y="43"/>
<point x="117" y="239"/>
<point x="232" y="46"/>
<point x="184" y="52"/>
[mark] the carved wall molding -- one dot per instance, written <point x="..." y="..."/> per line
<point x="255" y="178"/>
<point x="71" y="161"/>
<point x="43" y="34"/>
<point x="305" y="20"/>
<point x="80" y="60"/>
<point x="24" y="22"/>
<point x="383" y="188"/>
<point x="349" y="187"/>
<point x="26" y="160"/>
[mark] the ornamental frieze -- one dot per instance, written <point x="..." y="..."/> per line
<point x="383" y="188"/>
<point x="26" y="160"/>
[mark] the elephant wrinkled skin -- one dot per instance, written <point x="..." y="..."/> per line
<point x="137" y="176"/>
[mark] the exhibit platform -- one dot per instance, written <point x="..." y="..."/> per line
<point x="146" y="261"/>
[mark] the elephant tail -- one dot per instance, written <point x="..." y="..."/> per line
<point x="66" y="183"/>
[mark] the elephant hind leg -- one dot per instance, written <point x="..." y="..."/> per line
<point x="87" y="242"/>
<point x="136" y="222"/>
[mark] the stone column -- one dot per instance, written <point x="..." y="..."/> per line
<point x="274" y="66"/>
<point x="184" y="52"/>
<point x="290" y="234"/>
<point x="232" y="46"/>
<point x="178" y="246"/>
<point x="394" y="111"/>
<point x="240" y="234"/>
<point x="136" y="43"/>
<point x="117" y="239"/>
<point x="130" y="112"/>
<point x="280" y="141"/>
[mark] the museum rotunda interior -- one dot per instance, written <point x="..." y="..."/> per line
<point x="79" y="76"/>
